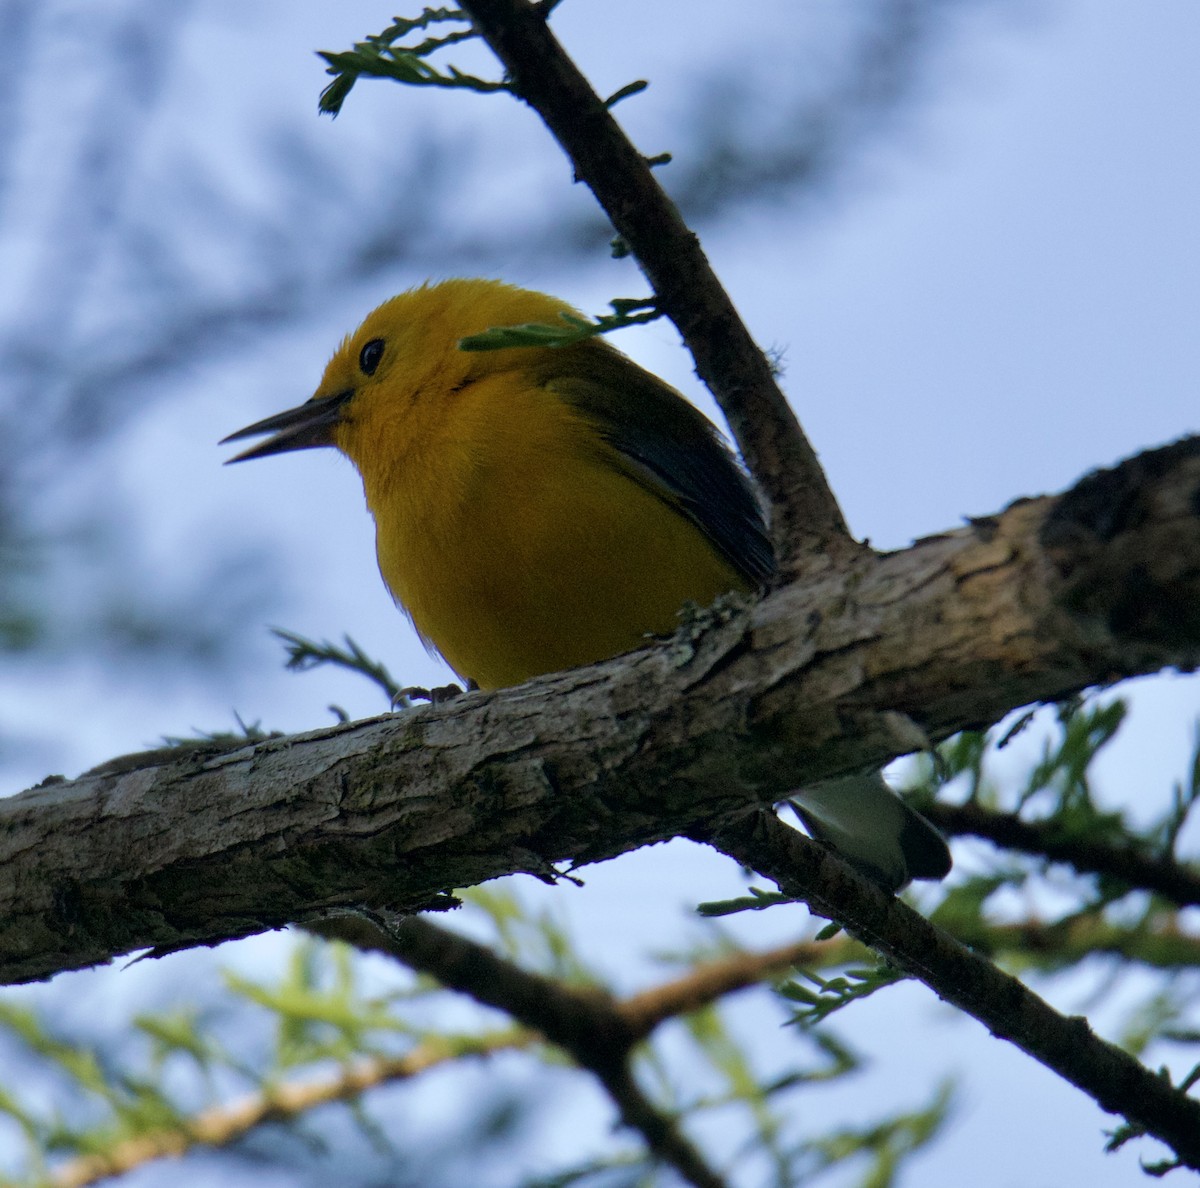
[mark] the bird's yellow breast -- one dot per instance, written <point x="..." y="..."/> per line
<point x="517" y="545"/>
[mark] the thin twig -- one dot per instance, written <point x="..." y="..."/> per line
<point x="222" y="1125"/>
<point x="1158" y="943"/>
<point x="806" y="521"/>
<point x="715" y="979"/>
<point x="1162" y="874"/>
<point x="1068" y="1046"/>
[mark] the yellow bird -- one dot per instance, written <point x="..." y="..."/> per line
<point x="539" y="508"/>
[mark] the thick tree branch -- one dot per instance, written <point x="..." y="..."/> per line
<point x="742" y="706"/>
<point x="1113" y="1078"/>
<point x="805" y="518"/>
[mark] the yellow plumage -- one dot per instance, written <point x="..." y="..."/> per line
<point x="504" y="526"/>
<point x="511" y="525"/>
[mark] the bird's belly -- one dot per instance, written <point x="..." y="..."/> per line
<point x="571" y="566"/>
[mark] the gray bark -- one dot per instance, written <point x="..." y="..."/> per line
<point x="842" y="671"/>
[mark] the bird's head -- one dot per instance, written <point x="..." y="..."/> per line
<point x="404" y="361"/>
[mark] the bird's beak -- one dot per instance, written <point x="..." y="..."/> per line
<point x="304" y="427"/>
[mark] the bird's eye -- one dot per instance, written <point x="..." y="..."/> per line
<point x="370" y="355"/>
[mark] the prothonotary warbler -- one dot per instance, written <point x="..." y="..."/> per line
<point x="538" y="508"/>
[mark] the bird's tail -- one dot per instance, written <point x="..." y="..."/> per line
<point x="864" y="821"/>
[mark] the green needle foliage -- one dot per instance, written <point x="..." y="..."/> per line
<point x="169" y="1082"/>
<point x="885" y="1145"/>
<point x="627" y="311"/>
<point x="304" y="654"/>
<point x="832" y="994"/>
<point x="382" y="56"/>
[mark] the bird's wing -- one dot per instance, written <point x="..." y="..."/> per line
<point x="670" y="448"/>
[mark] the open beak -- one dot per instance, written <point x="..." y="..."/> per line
<point x="305" y="427"/>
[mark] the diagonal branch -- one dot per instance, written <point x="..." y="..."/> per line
<point x="1113" y="1078"/>
<point x="805" y="516"/>
<point x="740" y="707"/>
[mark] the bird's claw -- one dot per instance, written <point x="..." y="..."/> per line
<point x="438" y="695"/>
